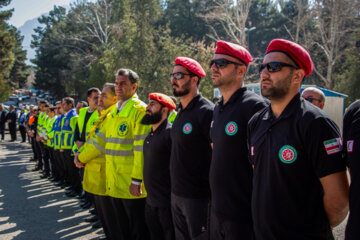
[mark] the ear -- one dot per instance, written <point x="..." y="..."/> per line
<point x="241" y="70"/>
<point x="134" y="86"/>
<point x="298" y="76"/>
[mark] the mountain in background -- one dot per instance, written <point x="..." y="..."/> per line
<point x="27" y="30"/>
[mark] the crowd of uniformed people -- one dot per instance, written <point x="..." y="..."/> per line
<point x="244" y="168"/>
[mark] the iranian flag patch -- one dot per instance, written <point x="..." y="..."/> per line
<point x="333" y="146"/>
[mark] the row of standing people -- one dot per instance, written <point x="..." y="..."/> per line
<point x="242" y="169"/>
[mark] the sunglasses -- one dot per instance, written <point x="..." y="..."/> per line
<point x="311" y="99"/>
<point x="222" y="63"/>
<point x="179" y="75"/>
<point x="274" y="66"/>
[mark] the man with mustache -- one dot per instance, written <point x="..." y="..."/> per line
<point x="190" y="152"/>
<point x="300" y="187"/>
<point x="157" y="149"/>
<point x="230" y="171"/>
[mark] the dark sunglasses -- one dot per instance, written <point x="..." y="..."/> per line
<point x="310" y="99"/>
<point x="274" y="66"/>
<point x="179" y="75"/>
<point x="222" y="63"/>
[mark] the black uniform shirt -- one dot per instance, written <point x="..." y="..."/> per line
<point x="351" y="140"/>
<point x="191" y="150"/>
<point x="157" y="149"/>
<point x="230" y="171"/>
<point x="290" y="154"/>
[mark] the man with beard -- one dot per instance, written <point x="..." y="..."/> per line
<point x="190" y="152"/>
<point x="230" y="171"/>
<point x="157" y="149"/>
<point x="300" y="187"/>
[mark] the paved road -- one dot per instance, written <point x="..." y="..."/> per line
<point x="32" y="208"/>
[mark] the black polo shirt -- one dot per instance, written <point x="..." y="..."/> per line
<point x="157" y="149"/>
<point x="290" y="154"/>
<point x="351" y="140"/>
<point x="191" y="150"/>
<point x="230" y="170"/>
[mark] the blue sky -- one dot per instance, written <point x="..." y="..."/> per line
<point x="28" y="9"/>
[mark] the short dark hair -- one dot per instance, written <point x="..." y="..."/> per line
<point x="133" y="76"/>
<point x="91" y="90"/>
<point x="84" y="103"/>
<point x="111" y="86"/>
<point x="43" y="102"/>
<point x="69" y="100"/>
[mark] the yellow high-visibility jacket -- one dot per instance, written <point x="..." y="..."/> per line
<point x="50" y="132"/>
<point x="94" y="173"/>
<point x="67" y="129"/>
<point x="80" y="123"/>
<point x="124" y="138"/>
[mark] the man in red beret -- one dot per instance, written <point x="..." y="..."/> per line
<point x="300" y="187"/>
<point x="230" y="171"/>
<point x="157" y="149"/>
<point x="190" y="152"/>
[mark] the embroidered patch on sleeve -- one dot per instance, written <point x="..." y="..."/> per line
<point x="333" y="146"/>
<point x="350" y="145"/>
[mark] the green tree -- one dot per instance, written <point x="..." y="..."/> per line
<point x="7" y="44"/>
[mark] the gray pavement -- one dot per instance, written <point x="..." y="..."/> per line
<point x="33" y="208"/>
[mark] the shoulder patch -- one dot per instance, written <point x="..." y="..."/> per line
<point x="350" y="145"/>
<point x="333" y="146"/>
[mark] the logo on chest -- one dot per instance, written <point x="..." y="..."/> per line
<point x="187" y="128"/>
<point x="66" y="123"/>
<point x="231" y="128"/>
<point x="123" y="128"/>
<point x="287" y="154"/>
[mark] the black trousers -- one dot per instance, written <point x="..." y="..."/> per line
<point x="129" y="222"/>
<point x="190" y="218"/>
<point x="2" y="131"/>
<point x="159" y="222"/>
<point x="33" y="142"/>
<point x="59" y="169"/>
<point x="221" y="229"/>
<point x="105" y="212"/>
<point x="39" y="154"/>
<point x="22" y="130"/>
<point x="12" y="129"/>
<point x="46" y="159"/>
<point x="72" y="173"/>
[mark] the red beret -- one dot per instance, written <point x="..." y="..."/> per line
<point x="191" y="65"/>
<point x="234" y="50"/>
<point x="296" y="52"/>
<point x="163" y="99"/>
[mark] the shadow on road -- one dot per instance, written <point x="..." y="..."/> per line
<point x="33" y="208"/>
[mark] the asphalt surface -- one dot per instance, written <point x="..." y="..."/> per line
<point x="32" y="208"/>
